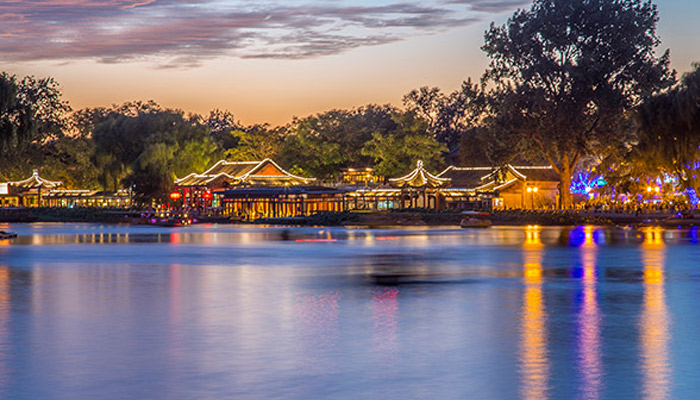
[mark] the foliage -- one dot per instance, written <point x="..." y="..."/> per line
<point x="396" y="152"/>
<point x="147" y="151"/>
<point x="566" y="71"/>
<point x="669" y="132"/>
<point x="69" y="160"/>
<point x="32" y="113"/>
<point x="451" y="116"/>
<point x="256" y="142"/>
<point x="222" y="123"/>
<point x="324" y="143"/>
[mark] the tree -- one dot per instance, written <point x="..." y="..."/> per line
<point x="324" y="143"/>
<point x="70" y="160"/>
<point x="222" y="123"/>
<point x="256" y="142"/>
<point x="396" y="152"/>
<point x="147" y="151"/>
<point x="449" y="117"/>
<point x="566" y="71"/>
<point x="32" y="113"/>
<point x="669" y="132"/>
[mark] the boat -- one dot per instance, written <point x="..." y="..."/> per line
<point x="7" y="235"/>
<point x="470" y="222"/>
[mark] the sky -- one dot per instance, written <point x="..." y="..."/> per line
<point x="269" y="60"/>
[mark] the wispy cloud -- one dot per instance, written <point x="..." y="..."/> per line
<point x="177" y="33"/>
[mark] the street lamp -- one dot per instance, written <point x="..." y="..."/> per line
<point x="532" y="190"/>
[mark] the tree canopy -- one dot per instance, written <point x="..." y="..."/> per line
<point x="396" y="152"/>
<point x="32" y="113"/>
<point x="449" y="117"/>
<point x="147" y="151"/>
<point x="565" y="72"/>
<point x="669" y="132"/>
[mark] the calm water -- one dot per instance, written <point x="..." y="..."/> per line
<point x="228" y="312"/>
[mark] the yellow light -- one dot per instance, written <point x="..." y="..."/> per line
<point x="535" y="189"/>
<point x="657" y="189"/>
<point x="648" y="188"/>
<point x="529" y="189"/>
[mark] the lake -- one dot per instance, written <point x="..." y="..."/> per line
<point x="91" y="311"/>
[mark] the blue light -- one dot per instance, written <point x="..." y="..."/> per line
<point x="584" y="182"/>
<point x="692" y="196"/>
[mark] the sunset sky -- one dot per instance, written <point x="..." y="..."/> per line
<point x="268" y="60"/>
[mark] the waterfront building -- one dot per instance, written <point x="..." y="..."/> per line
<point x="420" y="189"/>
<point x="360" y="177"/>
<point x="72" y="198"/>
<point x="26" y="193"/>
<point x="261" y="189"/>
<point x="526" y="187"/>
<point x="256" y="189"/>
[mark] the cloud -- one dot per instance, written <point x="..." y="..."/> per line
<point x="491" y="6"/>
<point x="178" y="33"/>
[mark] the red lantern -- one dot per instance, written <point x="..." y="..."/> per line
<point x="207" y="195"/>
<point x="175" y="195"/>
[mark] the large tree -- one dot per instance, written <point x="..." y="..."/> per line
<point x="256" y="142"/>
<point x="324" y="143"/>
<point x="32" y="113"/>
<point x="146" y="148"/>
<point x="566" y="71"/>
<point x="669" y="132"/>
<point x="449" y="117"/>
<point x="396" y="152"/>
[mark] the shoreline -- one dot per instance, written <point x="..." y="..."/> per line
<point x="375" y="219"/>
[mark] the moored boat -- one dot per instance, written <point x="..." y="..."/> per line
<point x="7" y="235"/>
<point x="470" y="222"/>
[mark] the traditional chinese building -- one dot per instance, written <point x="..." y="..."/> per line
<point x="256" y="189"/>
<point x="198" y="190"/>
<point x="72" y="198"/>
<point x="420" y="189"/>
<point x="360" y="176"/>
<point x="26" y="193"/>
<point x="524" y="187"/>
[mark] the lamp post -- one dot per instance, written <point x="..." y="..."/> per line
<point x="532" y="190"/>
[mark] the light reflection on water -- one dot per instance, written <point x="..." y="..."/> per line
<point x="589" y="354"/>
<point x="534" y="358"/>
<point x="90" y="311"/>
<point x="654" y="320"/>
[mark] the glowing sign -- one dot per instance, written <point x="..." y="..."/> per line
<point x="4" y="189"/>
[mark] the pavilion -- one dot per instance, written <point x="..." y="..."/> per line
<point x="256" y="189"/>
<point x="420" y="189"/>
<point x="26" y="193"/>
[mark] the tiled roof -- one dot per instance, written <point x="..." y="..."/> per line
<point x="538" y="173"/>
<point x="36" y="181"/>
<point x="485" y="178"/>
<point x="263" y="173"/>
<point x="419" y="177"/>
<point x="466" y="176"/>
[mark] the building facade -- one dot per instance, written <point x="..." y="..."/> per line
<point x="524" y="187"/>
<point x="29" y="192"/>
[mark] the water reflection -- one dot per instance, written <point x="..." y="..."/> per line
<point x="654" y="321"/>
<point x="446" y="313"/>
<point x="318" y="316"/>
<point x="589" y="358"/>
<point x="385" y="313"/>
<point x="534" y="361"/>
<point x="4" y="326"/>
